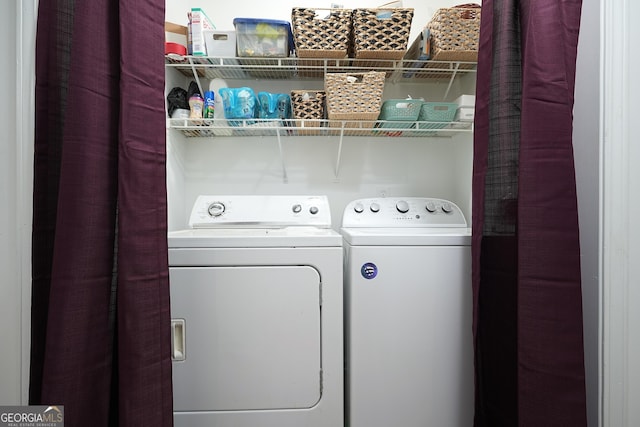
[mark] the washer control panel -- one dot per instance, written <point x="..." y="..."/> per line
<point x="390" y="212"/>
<point x="260" y="211"/>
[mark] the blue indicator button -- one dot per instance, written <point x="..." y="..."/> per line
<point x="369" y="270"/>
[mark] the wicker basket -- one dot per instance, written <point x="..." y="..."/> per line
<point x="308" y="106"/>
<point x="455" y="33"/>
<point x="381" y="33"/>
<point x="321" y="37"/>
<point x="421" y="67"/>
<point x="354" y="96"/>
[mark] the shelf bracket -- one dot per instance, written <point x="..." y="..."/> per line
<point x="456" y="67"/>
<point x="195" y="75"/>
<point x="285" y="178"/>
<point x="339" y="155"/>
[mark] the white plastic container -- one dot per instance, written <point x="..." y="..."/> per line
<point x="466" y="101"/>
<point x="220" y="44"/>
<point x="466" y="108"/>
<point x="465" y="114"/>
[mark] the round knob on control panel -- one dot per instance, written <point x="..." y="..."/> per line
<point x="216" y="209"/>
<point x="375" y="207"/>
<point x="431" y="207"/>
<point x="313" y="210"/>
<point x="402" y="206"/>
<point x="297" y="208"/>
<point x="358" y="208"/>
<point x="446" y="207"/>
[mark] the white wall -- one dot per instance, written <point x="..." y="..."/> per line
<point x="222" y="15"/>
<point x="15" y="193"/>
<point x="369" y="167"/>
<point x="586" y="142"/>
<point x="633" y="338"/>
<point x="620" y="330"/>
<point x="10" y="294"/>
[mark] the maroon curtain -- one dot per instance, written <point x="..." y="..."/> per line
<point x="100" y="341"/>
<point x="526" y="254"/>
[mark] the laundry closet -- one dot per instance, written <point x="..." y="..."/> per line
<point x="264" y="322"/>
<point x="369" y="166"/>
<point x="340" y="166"/>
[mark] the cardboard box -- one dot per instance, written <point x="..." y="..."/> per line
<point x="420" y="50"/>
<point x="175" y="33"/>
<point x="200" y="23"/>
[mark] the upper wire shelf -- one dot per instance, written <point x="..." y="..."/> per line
<point x="314" y="68"/>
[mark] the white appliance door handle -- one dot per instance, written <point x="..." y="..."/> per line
<point x="177" y="340"/>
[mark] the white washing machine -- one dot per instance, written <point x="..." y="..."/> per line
<point x="408" y="314"/>
<point x="257" y="314"/>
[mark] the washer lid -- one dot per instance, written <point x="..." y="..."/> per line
<point x="438" y="236"/>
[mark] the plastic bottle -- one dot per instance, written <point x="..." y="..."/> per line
<point x="196" y="106"/>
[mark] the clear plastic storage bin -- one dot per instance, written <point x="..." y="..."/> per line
<point x="263" y="38"/>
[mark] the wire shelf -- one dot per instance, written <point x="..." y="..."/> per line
<point x="199" y="128"/>
<point x="313" y="68"/>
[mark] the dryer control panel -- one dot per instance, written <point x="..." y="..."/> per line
<point x="393" y="212"/>
<point x="253" y="211"/>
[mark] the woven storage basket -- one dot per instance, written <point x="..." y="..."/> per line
<point x="354" y="96"/>
<point x="423" y="68"/>
<point x="308" y="106"/>
<point x="455" y="33"/>
<point x="381" y="33"/>
<point x="321" y="33"/>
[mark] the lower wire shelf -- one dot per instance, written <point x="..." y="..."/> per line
<point x="207" y="128"/>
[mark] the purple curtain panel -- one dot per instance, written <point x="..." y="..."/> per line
<point x="526" y="249"/>
<point x="100" y="309"/>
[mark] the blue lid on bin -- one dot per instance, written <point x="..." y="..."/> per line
<point x="271" y="22"/>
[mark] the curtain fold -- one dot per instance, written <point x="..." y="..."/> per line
<point x="100" y="304"/>
<point x="526" y="251"/>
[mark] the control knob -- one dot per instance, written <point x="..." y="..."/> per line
<point x="431" y="207"/>
<point x="216" y="209"/>
<point x="446" y="207"/>
<point x="375" y="207"/>
<point x="402" y="206"/>
<point x="297" y="208"/>
<point x="358" y="208"/>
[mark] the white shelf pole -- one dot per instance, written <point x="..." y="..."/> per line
<point x="285" y="178"/>
<point x="339" y="155"/>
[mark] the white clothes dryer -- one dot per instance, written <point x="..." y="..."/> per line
<point x="257" y="314"/>
<point x="408" y="314"/>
